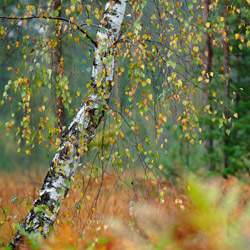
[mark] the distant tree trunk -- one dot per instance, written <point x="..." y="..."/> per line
<point x="58" y="71"/>
<point x="187" y="154"/>
<point x="238" y="79"/>
<point x="75" y="140"/>
<point x="207" y="61"/>
<point x="117" y="85"/>
<point x="227" y="82"/>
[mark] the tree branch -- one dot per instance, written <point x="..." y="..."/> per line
<point x="53" y="18"/>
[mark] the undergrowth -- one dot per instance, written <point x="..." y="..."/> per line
<point x="118" y="213"/>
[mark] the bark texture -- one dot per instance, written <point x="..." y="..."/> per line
<point x="75" y="140"/>
<point x="207" y="61"/>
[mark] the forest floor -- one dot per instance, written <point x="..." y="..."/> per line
<point x="191" y="214"/>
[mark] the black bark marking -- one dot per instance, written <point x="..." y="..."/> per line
<point x="53" y="189"/>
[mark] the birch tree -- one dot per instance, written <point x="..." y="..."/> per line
<point x="74" y="142"/>
<point x="160" y="70"/>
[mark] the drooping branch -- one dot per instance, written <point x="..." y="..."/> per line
<point x="58" y="72"/>
<point x="78" y="27"/>
<point x="75" y="141"/>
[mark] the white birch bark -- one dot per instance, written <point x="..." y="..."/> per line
<point x="81" y="130"/>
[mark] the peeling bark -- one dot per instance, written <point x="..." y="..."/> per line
<point x="75" y="140"/>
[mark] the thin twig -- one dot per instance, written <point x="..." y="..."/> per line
<point x="53" y="18"/>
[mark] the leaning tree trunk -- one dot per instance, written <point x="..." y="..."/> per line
<point x="75" y="140"/>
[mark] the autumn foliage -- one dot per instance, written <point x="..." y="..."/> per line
<point x="152" y="214"/>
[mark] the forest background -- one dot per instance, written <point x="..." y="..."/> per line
<point x="179" y="104"/>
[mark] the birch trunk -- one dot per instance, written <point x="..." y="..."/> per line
<point x="75" y="140"/>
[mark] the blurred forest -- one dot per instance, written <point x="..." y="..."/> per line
<point x="179" y="107"/>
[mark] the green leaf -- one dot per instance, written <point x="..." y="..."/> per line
<point x="49" y="71"/>
<point x="105" y="59"/>
<point x="88" y="22"/>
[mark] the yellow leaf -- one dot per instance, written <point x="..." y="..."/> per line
<point x="207" y="24"/>
<point x="200" y="78"/>
<point x="67" y="11"/>
<point x="179" y="83"/>
<point x="39" y="83"/>
<point x="42" y="108"/>
<point x="29" y="7"/>
<point x="27" y="152"/>
<point x="122" y="135"/>
<point x="236" y="115"/>
<point x="196" y="49"/>
<point x="72" y="20"/>
<point x="237" y="36"/>
<point x="98" y="84"/>
<point x="127" y="152"/>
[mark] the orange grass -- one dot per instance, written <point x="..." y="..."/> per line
<point x="130" y="215"/>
